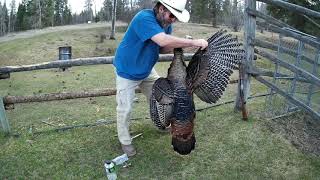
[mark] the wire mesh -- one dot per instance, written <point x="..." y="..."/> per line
<point x="302" y="56"/>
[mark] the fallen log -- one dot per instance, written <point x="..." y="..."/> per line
<point x="9" y="100"/>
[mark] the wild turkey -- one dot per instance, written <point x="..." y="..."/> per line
<point x="207" y="75"/>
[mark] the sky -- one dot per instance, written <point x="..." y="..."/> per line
<point x="76" y="5"/>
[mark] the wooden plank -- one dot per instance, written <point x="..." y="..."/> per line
<point x="285" y="32"/>
<point x="249" y="36"/>
<point x="289" y="97"/>
<point x="268" y="45"/>
<point x="265" y="72"/>
<point x="10" y="100"/>
<point x="289" y="66"/>
<point x="4" y="121"/>
<point x="76" y="62"/>
<point x="290" y="32"/>
<point x="268" y="19"/>
<point x="293" y="7"/>
<point x="59" y="96"/>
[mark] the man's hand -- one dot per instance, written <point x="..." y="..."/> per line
<point x="202" y="43"/>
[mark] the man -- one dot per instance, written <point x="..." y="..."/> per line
<point x="147" y="35"/>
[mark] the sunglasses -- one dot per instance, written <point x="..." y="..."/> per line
<point x="172" y="16"/>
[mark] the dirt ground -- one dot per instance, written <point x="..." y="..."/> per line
<point x="301" y="130"/>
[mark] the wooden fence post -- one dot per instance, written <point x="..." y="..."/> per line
<point x="249" y="36"/>
<point x="3" y="118"/>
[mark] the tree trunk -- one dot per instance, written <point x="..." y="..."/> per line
<point x="113" y="27"/>
<point x="40" y="15"/>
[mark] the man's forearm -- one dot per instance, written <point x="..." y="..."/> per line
<point x="169" y="41"/>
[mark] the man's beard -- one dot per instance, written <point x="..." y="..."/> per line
<point x="162" y="21"/>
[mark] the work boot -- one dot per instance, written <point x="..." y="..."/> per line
<point x="129" y="150"/>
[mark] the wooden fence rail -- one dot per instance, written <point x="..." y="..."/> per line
<point x="274" y="47"/>
<point x="254" y="71"/>
<point x="293" y="7"/>
<point x="8" y="100"/>
<point x="291" y="67"/>
<point x="75" y="62"/>
<point x="267" y="18"/>
<point x="295" y="35"/>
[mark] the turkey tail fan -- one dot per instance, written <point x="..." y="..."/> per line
<point x="209" y="70"/>
<point x="161" y="103"/>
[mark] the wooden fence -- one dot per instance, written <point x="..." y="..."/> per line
<point x="8" y="101"/>
<point x="276" y="26"/>
<point x="247" y="69"/>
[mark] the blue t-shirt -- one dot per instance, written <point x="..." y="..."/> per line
<point x="137" y="53"/>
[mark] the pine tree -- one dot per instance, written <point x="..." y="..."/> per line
<point x="236" y="16"/>
<point x="48" y="13"/>
<point x="144" y="4"/>
<point x="226" y="11"/>
<point x="214" y="11"/>
<point x="1" y="21"/>
<point x="67" y="16"/>
<point x="33" y="10"/>
<point x="6" y="17"/>
<point x="21" y="22"/>
<point x="88" y="10"/>
<point x="297" y="20"/>
<point x="12" y="16"/>
<point x="58" y="12"/>
<point x="199" y="15"/>
<point x="106" y="11"/>
<point x="121" y="9"/>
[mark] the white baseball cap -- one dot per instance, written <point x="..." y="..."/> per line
<point x="177" y="8"/>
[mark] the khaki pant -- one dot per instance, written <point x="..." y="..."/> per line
<point x="125" y="95"/>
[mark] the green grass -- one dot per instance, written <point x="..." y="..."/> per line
<point x="227" y="147"/>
